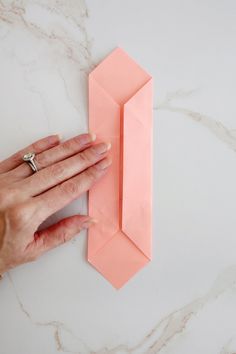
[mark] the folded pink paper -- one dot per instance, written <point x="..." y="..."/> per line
<point x="120" y="112"/>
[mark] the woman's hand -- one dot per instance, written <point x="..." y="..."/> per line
<point x="66" y="170"/>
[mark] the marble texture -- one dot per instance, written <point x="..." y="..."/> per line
<point x="184" y="301"/>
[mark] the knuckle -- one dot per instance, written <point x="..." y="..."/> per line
<point x="87" y="156"/>
<point x="64" y="237"/>
<point x="56" y="170"/>
<point x="77" y="140"/>
<point x="69" y="145"/>
<point x="92" y="174"/>
<point x="83" y="158"/>
<point x="71" y="188"/>
<point x="17" y="216"/>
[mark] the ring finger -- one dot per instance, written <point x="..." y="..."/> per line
<point x="53" y="155"/>
<point x="12" y="162"/>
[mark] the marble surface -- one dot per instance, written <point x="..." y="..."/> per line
<point x="184" y="301"/>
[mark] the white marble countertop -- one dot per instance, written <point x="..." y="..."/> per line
<point x="184" y="301"/>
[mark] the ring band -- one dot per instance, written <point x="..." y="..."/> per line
<point x="29" y="159"/>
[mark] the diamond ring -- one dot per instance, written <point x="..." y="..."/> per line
<point x="29" y="159"/>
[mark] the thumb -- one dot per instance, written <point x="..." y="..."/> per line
<point x="61" y="232"/>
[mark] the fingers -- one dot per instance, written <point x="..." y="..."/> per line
<point x="37" y="147"/>
<point x="55" y="154"/>
<point x="64" y="193"/>
<point x="59" y="233"/>
<point x="63" y="170"/>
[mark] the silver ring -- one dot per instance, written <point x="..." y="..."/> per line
<point x="29" y="159"/>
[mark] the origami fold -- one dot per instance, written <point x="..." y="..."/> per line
<point x="120" y="112"/>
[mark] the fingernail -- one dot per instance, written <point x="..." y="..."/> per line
<point x="89" y="223"/>
<point x="101" y="148"/>
<point x="92" y="136"/>
<point x="60" y="136"/>
<point x="55" y="138"/>
<point x="102" y="165"/>
<point x="86" y="138"/>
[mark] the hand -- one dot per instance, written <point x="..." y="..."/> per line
<point x="66" y="170"/>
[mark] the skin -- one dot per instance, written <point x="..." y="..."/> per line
<point x="66" y="170"/>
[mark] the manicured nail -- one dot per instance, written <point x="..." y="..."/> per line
<point x="89" y="223"/>
<point x="102" y="165"/>
<point x="92" y="136"/>
<point x="101" y="148"/>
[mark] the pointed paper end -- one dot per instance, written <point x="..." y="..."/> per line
<point x="119" y="260"/>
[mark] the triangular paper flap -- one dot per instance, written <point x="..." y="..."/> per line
<point x="137" y="169"/>
<point x="118" y="260"/>
<point x="104" y="206"/>
<point x="120" y="75"/>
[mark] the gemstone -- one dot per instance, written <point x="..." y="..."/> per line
<point x="29" y="156"/>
